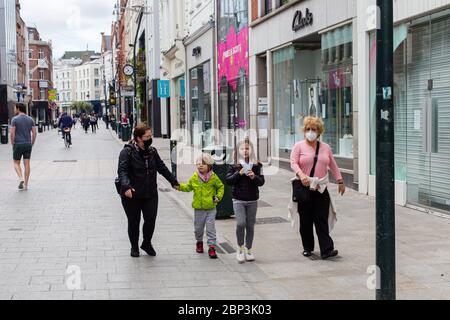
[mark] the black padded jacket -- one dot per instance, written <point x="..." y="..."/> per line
<point x="138" y="170"/>
<point x="244" y="188"/>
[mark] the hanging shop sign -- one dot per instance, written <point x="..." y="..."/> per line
<point x="301" y="21"/>
<point x="163" y="89"/>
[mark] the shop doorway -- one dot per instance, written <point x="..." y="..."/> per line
<point x="427" y="119"/>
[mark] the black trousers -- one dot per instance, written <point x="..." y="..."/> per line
<point x="133" y="209"/>
<point x="315" y="213"/>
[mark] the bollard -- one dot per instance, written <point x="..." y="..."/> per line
<point x="173" y="157"/>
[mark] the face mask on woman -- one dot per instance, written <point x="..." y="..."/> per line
<point x="148" y="143"/>
<point x="311" y="136"/>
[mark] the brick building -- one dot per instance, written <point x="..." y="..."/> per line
<point x="41" y="76"/>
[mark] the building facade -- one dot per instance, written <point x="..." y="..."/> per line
<point x="41" y="76"/>
<point x="22" y="58"/>
<point x="65" y="84"/>
<point x="421" y="102"/>
<point x="173" y="63"/>
<point x="8" y="59"/>
<point x="89" y="83"/>
<point x="304" y="67"/>
<point x="201" y="69"/>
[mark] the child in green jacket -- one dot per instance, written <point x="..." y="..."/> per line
<point x="208" y="192"/>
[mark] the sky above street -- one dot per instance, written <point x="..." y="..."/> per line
<point x="72" y="25"/>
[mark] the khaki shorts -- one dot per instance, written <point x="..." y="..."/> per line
<point x="22" y="150"/>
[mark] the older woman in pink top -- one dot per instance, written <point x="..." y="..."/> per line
<point x="316" y="211"/>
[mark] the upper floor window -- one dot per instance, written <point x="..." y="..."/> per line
<point x="267" y="6"/>
<point x="41" y="54"/>
<point x="41" y="74"/>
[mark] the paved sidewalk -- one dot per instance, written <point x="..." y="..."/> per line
<point x="71" y="216"/>
<point x="423" y="247"/>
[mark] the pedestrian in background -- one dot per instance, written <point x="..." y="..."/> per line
<point x="85" y="121"/>
<point x="246" y="177"/>
<point x="93" y="122"/>
<point x="139" y="164"/>
<point x="208" y="192"/>
<point x="311" y="160"/>
<point x="23" y="137"/>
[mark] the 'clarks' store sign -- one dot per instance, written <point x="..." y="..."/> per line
<point x="301" y="21"/>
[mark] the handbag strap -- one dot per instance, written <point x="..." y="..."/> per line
<point x="316" y="158"/>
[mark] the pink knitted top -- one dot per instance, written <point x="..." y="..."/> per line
<point x="302" y="158"/>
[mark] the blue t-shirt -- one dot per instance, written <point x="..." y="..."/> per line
<point x="23" y="124"/>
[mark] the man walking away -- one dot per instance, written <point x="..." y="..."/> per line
<point x="23" y="137"/>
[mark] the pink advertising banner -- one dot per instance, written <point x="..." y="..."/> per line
<point x="233" y="56"/>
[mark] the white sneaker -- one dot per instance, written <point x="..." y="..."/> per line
<point x="240" y="256"/>
<point x="248" y="255"/>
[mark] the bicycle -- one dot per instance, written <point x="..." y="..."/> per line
<point x="66" y="133"/>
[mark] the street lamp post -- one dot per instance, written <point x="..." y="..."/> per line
<point x="385" y="189"/>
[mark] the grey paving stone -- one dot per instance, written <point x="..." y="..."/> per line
<point x="91" y="295"/>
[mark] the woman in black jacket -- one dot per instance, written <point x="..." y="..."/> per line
<point x="246" y="177"/>
<point x="139" y="164"/>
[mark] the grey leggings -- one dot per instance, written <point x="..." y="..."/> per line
<point x="245" y="212"/>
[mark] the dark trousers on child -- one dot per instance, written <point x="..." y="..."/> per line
<point x="133" y="209"/>
<point x="315" y="213"/>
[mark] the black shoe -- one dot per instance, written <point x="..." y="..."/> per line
<point x="149" y="250"/>
<point x="135" y="253"/>
<point x="330" y="254"/>
<point x="307" y="253"/>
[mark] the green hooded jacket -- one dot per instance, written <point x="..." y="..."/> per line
<point x="204" y="192"/>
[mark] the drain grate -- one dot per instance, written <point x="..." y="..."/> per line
<point x="67" y="161"/>
<point x="15" y="229"/>
<point x="164" y="189"/>
<point x="227" y="247"/>
<point x="271" y="220"/>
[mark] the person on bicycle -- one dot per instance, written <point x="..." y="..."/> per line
<point x="66" y="122"/>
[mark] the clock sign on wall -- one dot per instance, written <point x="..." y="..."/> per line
<point x="128" y="70"/>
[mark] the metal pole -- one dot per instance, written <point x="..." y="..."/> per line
<point x="141" y="14"/>
<point x="173" y="157"/>
<point x="385" y="184"/>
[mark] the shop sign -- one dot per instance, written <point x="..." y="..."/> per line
<point x="182" y="88"/>
<point x="301" y="21"/>
<point x="52" y="95"/>
<point x="163" y="89"/>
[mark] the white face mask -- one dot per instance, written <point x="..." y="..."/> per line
<point x="311" y="136"/>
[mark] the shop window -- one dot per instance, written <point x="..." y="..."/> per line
<point x="337" y="94"/>
<point x="200" y="79"/>
<point x="267" y="6"/>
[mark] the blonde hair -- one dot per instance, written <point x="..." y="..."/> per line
<point x="314" y="121"/>
<point x="205" y="159"/>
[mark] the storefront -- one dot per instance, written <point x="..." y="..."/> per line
<point x="305" y="69"/>
<point x="200" y="70"/>
<point x="422" y="111"/>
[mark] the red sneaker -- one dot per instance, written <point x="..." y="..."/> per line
<point x="199" y="248"/>
<point x="212" y="252"/>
